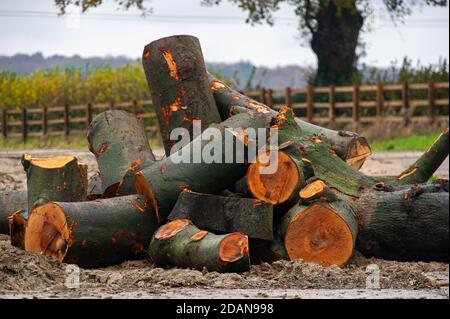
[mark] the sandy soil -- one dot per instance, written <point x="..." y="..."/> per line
<point x="26" y="275"/>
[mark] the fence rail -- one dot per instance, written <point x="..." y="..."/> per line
<point x="329" y="106"/>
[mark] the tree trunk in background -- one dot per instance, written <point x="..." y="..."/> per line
<point x="334" y="41"/>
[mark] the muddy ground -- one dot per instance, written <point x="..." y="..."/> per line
<point x="25" y="275"/>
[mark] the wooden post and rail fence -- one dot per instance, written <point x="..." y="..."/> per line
<point x="327" y="106"/>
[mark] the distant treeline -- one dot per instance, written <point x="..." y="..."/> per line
<point x="101" y="84"/>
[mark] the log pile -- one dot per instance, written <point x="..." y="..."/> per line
<point x="188" y="211"/>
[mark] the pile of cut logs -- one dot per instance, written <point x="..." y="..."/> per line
<point x="316" y="206"/>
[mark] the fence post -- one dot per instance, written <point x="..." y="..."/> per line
<point x="5" y="123"/>
<point x="88" y="114"/>
<point x="44" y="120"/>
<point x="288" y="97"/>
<point x="66" y="120"/>
<point x="270" y="98"/>
<point x="262" y="96"/>
<point x="332" y="110"/>
<point x="111" y="106"/>
<point x="431" y="102"/>
<point x="24" y="125"/>
<point x="310" y="103"/>
<point x="405" y="103"/>
<point x="134" y="107"/>
<point x="355" y="110"/>
<point x="380" y="103"/>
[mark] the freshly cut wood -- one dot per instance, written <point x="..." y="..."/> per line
<point x="423" y="169"/>
<point x="349" y="146"/>
<point x="317" y="190"/>
<point x="118" y="140"/>
<point x="163" y="181"/>
<point x="323" y="233"/>
<point x="409" y="223"/>
<point x="219" y="214"/>
<point x="58" y="178"/>
<point x="181" y="244"/>
<point x="10" y="202"/>
<point x="92" y="234"/>
<point x="17" y="225"/>
<point x="176" y="75"/>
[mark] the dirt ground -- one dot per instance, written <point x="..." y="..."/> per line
<point x="26" y="275"/>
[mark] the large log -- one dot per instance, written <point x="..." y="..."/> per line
<point x="163" y="181"/>
<point x="177" y="78"/>
<point x="58" y="178"/>
<point x="349" y="146"/>
<point x="323" y="233"/>
<point x="407" y="223"/>
<point x="117" y="139"/>
<point x="179" y="243"/>
<point x="219" y="214"/>
<point x="10" y="202"/>
<point x="92" y="234"/>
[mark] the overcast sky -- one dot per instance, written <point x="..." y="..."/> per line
<point x="227" y="38"/>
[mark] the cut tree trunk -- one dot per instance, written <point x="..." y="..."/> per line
<point x="222" y="215"/>
<point x="17" y="226"/>
<point x="176" y="75"/>
<point x="118" y="140"/>
<point x="10" y="202"/>
<point x="163" y="181"/>
<point x="349" y="146"/>
<point x="407" y="223"/>
<point x="92" y="234"/>
<point x="323" y="233"/>
<point x="181" y="244"/>
<point x="58" y="178"/>
<point x="423" y="169"/>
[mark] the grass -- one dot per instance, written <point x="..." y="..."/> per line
<point x="414" y="142"/>
<point x="76" y="142"/>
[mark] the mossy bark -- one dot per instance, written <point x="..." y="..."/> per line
<point x="163" y="181"/>
<point x="409" y="223"/>
<point x="118" y="140"/>
<point x="176" y="75"/>
<point x="92" y="234"/>
<point x="423" y="169"/>
<point x="219" y="214"/>
<point x="181" y="244"/>
<point x="59" y="178"/>
<point x="11" y="201"/>
<point x="349" y="146"/>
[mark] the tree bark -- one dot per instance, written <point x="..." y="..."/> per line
<point x="163" y="181"/>
<point x="334" y="41"/>
<point x="118" y="140"/>
<point x="181" y="244"/>
<point x="176" y="75"/>
<point x="58" y="178"/>
<point x="10" y="202"/>
<point x="92" y="234"/>
<point x="323" y="233"/>
<point x="349" y="146"/>
<point x="222" y="215"/>
<point x="405" y="223"/>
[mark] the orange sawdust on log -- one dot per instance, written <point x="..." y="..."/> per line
<point x="172" y="65"/>
<point x="217" y="85"/>
<point x="170" y="229"/>
<point x="319" y="235"/>
<point x="233" y="247"/>
<point x="273" y="188"/>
